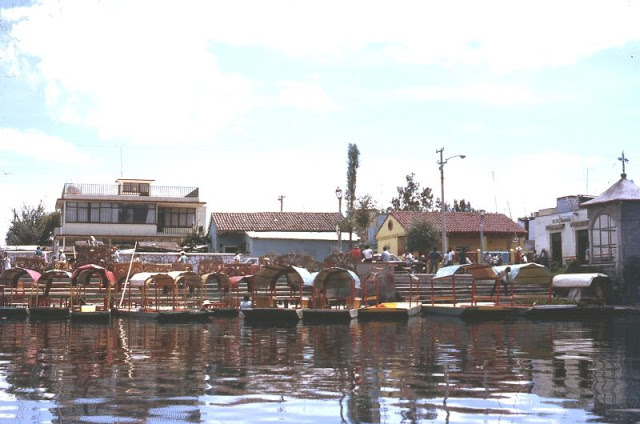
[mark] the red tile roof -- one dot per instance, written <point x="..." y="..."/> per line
<point x="463" y="222"/>
<point x="275" y="221"/>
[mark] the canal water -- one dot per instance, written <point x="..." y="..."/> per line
<point x="421" y="371"/>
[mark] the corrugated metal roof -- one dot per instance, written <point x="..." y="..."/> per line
<point x="275" y="221"/>
<point x="462" y="222"/>
<point x="622" y="190"/>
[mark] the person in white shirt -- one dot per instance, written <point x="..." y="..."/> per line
<point x="385" y="256"/>
<point x="367" y="254"/>
<point x="245" y="303"/>
<point x="6" y="262"/>
<point x="448" y="258"/>
<point x="183" y="258"/>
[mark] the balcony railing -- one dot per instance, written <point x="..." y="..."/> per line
<point x="71" y="189"/>
<point x="174" y="231"/>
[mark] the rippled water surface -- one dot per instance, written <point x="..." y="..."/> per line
<point x="424" y="370"/>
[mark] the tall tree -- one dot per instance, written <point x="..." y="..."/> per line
<point x="195" y="239"/>
<point x="462" y="206"/>
<point x="421" y="236"/>
<point x="350" y="196"/>
<point x="32" y="225"/>
<point x="411" y="197"/>
<point x="363" y="215"/>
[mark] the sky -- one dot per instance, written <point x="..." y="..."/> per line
<point x="253" y="100"/>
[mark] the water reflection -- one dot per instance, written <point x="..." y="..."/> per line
<point x="424" y="370"/>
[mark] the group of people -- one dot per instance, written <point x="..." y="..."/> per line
<point x="366" y="254"/>
<point x="522" y="257"/>
<point x="434" y="258"/>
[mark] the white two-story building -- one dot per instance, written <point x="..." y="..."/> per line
<point x="129" y="210"/>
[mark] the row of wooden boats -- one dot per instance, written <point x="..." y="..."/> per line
<point x="274" y="293"/>
<point x="286" y="293"/>
<point x="503" y="302"/>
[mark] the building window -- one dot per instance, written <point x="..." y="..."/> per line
<point x="110" y="213"/>
<point x="177" y="217"/>
<point x="140" y="189"/>
<point x="603" y="236"/>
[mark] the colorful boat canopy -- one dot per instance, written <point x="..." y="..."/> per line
<point x="83" y="274"/>
<point x="12" y="276"/>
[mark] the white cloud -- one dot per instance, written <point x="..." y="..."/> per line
<point x="488" y="94"/>
<point x="36" y="145"/>
<point x="147" y="72"/>
<point x="305" y="96"/>
<point x="501" y="34"/>
<point x="133" y="70"/>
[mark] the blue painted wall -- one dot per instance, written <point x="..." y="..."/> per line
<point x="317" y="249"/>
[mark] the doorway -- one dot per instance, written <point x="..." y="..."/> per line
<point x="582" y="243"/>
<point x="556" y="248"/>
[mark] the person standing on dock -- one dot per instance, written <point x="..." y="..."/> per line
<point x="434" y="260"/>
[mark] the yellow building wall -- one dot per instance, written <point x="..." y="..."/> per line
<point x="392" y="235"/>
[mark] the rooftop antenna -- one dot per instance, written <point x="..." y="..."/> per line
<point x="495" y="198"/>
<point x="624" y="160"/>
<point x="121" y="168"/>
<point x="281" y="199"/>
<point x="587" y="192"/>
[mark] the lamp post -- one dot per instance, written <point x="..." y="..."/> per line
<point x="481" y="235"/>
<point x="338" y="230"/>
<point x="442" y="162"/>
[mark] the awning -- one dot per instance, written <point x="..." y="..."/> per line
<point x="83" y="274"/>
<point x="579" y="280"/>
<point x="189" y="278"/>
<point x="448" y="271"/>
<point x="526" y="273"/>
<point x="267" y="276"/>
<point x="143" y="278"/>
<point x="12" y="276"/>
<point x="237" y="279"/>
<point x="336" y="277"/>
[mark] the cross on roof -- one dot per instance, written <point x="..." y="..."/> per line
<point x="624" y="161"/>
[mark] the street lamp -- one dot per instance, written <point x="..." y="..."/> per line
<point x="338" y="230"/>
<point x="480" y="257"/>
<point x="442" y="162"/>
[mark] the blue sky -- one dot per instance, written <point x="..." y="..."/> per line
<point x="250" y="100"/>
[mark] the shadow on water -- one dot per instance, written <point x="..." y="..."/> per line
<point x="424" y="370"/>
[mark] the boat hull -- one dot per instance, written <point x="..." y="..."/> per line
<point x="388" y="312"/>
<point x="329" y="316"/>
<point x="12" y="312"/>
<point x="474" y="312"/>
<point x="183" y="316"/>
<point x="224" y="312"/>
<point x="271" y="315"/>
<point x="569" y="312"/>
<point x="137" y="314"/>
<point x="93" y="316"/>
<point x="48" y="313"/>
<point x="166" y="316"/>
